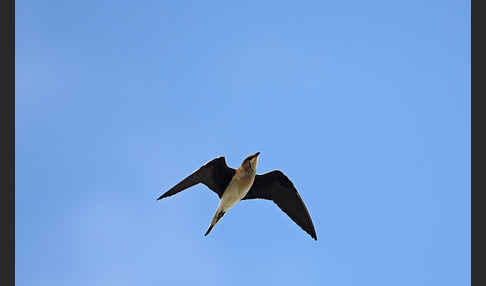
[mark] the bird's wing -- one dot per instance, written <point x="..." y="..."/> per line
<point x="277" y="187"/>
<point x="215" y="174"/>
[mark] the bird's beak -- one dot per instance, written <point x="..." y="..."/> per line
<point x="257" y="153"/>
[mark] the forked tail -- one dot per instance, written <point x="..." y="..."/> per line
<point x="217" y="216"/>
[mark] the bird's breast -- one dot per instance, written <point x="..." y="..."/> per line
<point x="244" y="184"/>
<point x="236" y="190"/>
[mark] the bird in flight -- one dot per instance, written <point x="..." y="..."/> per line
<point x="232" y="185"/>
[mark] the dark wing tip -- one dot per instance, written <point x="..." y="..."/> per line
<point x="306" y="226"/>
<point x="163" y="196"/>
<point x="310" y="231"/>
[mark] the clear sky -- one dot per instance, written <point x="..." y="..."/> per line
<point x="364" y="105"/>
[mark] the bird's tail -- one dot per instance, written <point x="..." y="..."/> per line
<point x="217" y="216"/>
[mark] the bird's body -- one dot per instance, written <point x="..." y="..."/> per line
<point x="236" y="191"/>
<point x="243" y="183"/>
<point x="238" y="187"/>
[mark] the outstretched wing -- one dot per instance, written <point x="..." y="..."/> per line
<point x="277" y="187"/>
<point x="215" y="174"/>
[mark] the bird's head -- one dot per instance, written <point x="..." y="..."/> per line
<point x="250" y="163"/>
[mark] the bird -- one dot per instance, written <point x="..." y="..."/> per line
<point x="232" y="186"/>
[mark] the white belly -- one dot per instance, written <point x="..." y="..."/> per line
<point x="232" y="195"/>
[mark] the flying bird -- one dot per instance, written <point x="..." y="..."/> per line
<point x="232" y="185"/>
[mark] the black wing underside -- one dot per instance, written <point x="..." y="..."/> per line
<point x="275" y="186"/>
<point x="215" y="174"/>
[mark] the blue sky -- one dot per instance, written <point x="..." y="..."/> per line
<point x="364" y="105"/>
